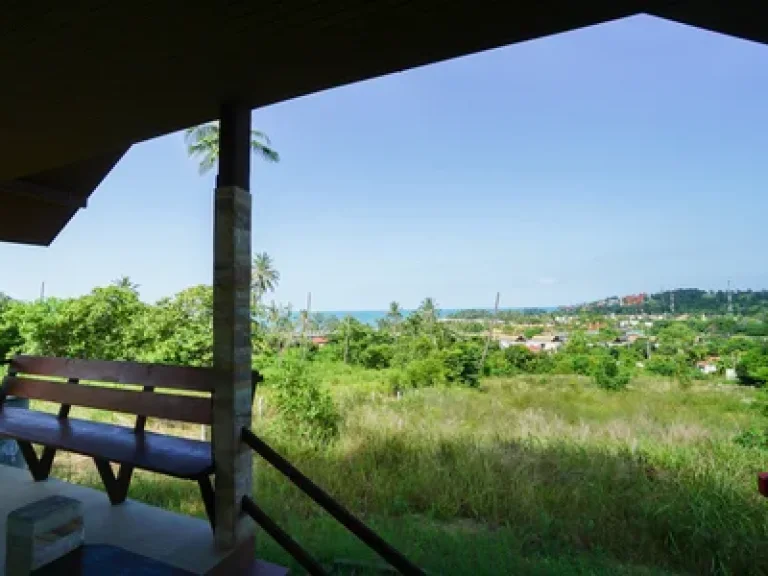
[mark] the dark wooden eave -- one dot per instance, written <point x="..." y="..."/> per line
<point x="34" y="209"/>
<point x="84" y="78"/>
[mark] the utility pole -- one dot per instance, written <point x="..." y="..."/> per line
<point x="672" y="302"/>
<point x="346" y="340"/>
<point x="42" y="292"/>
<point x="491" y="322"/>
<point x="305" y="324"/>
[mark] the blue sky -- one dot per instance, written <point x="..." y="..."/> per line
<point x="611" y="160"/>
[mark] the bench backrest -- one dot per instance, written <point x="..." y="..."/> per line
<point x="58" y="380"/>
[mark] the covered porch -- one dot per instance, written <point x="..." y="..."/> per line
<point x="173" y="539"/>
<point x="112" y="92"/>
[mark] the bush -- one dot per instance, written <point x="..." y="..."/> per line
<point x="496" y="364"/>
<point x="423" y="373"/>
<point x="306" y="410"/>
<point x="609" y="375"/>
<point x="753" y="438"/>
<point x="377" y="356"/>
<point x="462" y="363"/>
<point x="661" y="365"/>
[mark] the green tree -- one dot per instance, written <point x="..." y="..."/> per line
<point x="306" y="409"/>
<point x="264" y="276"/>
<point x="394" y="317"/>
<point x="180" y="329"/>
<point x="203" y="145"/>
<point x="10" y="338"/>
<point x="610" y="376"/>
<point x="428" y="310"/>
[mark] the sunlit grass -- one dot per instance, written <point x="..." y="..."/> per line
<point x="547" y="475"/>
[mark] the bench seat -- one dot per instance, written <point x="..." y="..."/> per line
<point x="168" y="455"/>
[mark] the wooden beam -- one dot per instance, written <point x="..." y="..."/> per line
<point x="232" y="329"/>
<point x="42" y="193"/>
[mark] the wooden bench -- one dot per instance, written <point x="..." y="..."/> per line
<point x="59" y="380"/>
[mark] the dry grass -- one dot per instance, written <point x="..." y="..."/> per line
<point x="551" y="468"/>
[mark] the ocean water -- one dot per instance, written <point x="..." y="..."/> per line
<point x="371" y="317"/>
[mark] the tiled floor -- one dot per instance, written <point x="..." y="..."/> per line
<point x="172" y="538"/>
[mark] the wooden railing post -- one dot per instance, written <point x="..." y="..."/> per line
<point x="232" y="328"/>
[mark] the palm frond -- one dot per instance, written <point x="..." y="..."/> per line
<point x="207" y="163"/>
<point x="266" y="153"/>
<point x="204" y="131"/>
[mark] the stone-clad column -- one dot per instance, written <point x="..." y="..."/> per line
<point x="232" y="328"/>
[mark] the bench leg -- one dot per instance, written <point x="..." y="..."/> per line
<point x="117" y="487"/>
<point x="209" y="499"/>
<point x="40" y="468"/>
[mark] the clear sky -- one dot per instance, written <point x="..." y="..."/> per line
<point x="622" y="158"/>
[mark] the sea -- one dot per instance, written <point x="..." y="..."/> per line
<point x="372" y="317"/>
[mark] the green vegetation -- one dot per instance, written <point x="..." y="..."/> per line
<point x="587" y="444"/>
<point x="203" y="145"/>
<point x="540" y="474"/>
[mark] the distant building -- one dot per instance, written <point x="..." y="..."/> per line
<point x="546" y="342"/>
<point x="634" y="299"/>
<point x="319" y="341"/>
<point x="708" y="366"/>
<point x="507" y="341"/>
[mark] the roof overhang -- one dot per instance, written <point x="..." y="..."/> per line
<point x="84" y="81"/>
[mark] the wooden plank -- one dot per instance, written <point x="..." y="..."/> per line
<point x="155" y="375"/>
<point x="166" y="406"/>
<point x="177" y="457"/>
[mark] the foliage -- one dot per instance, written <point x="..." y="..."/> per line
<point x="752" y="369"/>
<point x="180" y="329"/>
<point x="754" y="437"/>
<point x="542" y="469"/>
<point x="203" y="145"/>
<point x="307" y="411"/>
<point x="10" y="338"/>
<point x="462" y="363"/>
<point x="264" y="275"/>
<point x="610" y="376"/>
<point x="420" y="373"/>
<point x="377" y="356"/>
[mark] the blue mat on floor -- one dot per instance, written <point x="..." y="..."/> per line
<point x="102" y="559"/>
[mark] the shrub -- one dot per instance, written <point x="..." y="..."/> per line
<point x="462" y="363"/>
<point x="753" y="438"/>
<point x="377" y="356"/>
<point x="427" y="372"/>
<point x="609" y="375"/>
<point x="306" y="410"/>
<point x="661" y="365"/>
<point x="496" y="364"/>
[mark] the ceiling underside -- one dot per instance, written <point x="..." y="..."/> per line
<point x="83" y="81"/>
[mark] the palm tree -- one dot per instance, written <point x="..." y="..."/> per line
<point x="125" y="282"/>
<point x="264" y="276"/>
<point x="428" y="310"/>
<point x="203" y="144"/>
<point x="394" y="316"/>
<point x="395" y="313"/>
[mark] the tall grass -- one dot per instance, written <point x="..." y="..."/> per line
<point x="549" y="467"/>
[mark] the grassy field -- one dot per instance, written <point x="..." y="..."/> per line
<point x="528" y="475"/>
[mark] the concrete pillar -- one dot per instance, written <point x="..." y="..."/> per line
<point x="232" y="328"/>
